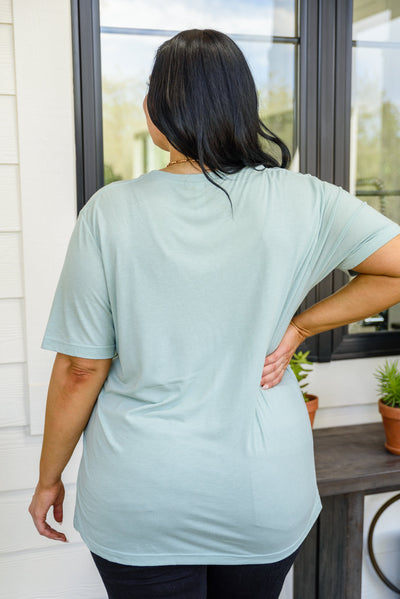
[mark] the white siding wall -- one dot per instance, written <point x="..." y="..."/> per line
<point x="37" y="213"/>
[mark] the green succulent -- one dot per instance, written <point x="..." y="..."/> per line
<point x="388" y="377"/>
<point x="298" y="363"/>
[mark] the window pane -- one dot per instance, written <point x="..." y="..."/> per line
<point x="126" y="64"/>
<point x="376" y="20"/>
<point x="375" y="122"/>
<point x="127" y="57"/>
<point x="263" y="17"/>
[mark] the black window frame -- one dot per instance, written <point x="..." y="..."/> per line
<point x="324" y="108"/>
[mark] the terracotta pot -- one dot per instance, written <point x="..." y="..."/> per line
<point x="312" y="406"/>
<point x="391" y="424"/>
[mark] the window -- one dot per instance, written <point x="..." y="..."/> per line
<point x="310" y="71"/>
<point x="375" y="123"/>
<point x="130" y="35"/>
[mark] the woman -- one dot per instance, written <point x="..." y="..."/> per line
<point x="197" y="477"/>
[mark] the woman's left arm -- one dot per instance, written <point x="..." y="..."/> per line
<point x="75" y="384"/>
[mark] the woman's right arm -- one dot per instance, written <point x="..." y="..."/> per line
<point x="376" y="288"/>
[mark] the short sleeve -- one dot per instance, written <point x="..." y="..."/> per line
<point x="80" y="322"/>
<point x="350" y="231"/>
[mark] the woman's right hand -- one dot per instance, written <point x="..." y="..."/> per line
<point x="276" y="363"/>
<point x="43" y="499"/>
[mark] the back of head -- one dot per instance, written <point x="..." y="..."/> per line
<point x="203" y="98"/>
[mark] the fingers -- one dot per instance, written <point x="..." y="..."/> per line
<point x="272" y="374"/>
<point x="58" y="508"/>
<point x="41" y="502"/>
<point x="47" y="531"/>
<point x="273" y="361"/>
<point x="276" y="363"/>
<point x="58" y="513"/>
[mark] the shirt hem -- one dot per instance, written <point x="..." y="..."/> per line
<point x="164" y="559"/>
<point x="369" y="247"/>
<point x="101" y="352"/>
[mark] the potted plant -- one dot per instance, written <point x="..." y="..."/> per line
<point x="388" y="377"/>
<point x="298" y="364"/>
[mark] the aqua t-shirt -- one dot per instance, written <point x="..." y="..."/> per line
<point x="186" y="459"/>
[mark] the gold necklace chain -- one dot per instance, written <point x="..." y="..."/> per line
<point x="183" y="160"/>
<point x="179" y="161"/>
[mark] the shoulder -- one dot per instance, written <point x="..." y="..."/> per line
<point x="116" y="191"/>
<point x="287" y="177"/>
<point x="301" y="188"/>
<point x="112" y="206"/>
<point x="283" y="176"/>
<point x="112" y="200"/>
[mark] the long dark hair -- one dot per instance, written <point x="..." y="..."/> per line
<point x="203" y="98"/>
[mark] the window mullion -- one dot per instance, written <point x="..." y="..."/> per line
<point x="88" y="103"/>
<point x="308" y="88"/>
<point x="325" y="123"/>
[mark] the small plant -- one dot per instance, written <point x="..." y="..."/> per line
<point x="388" y="377"/>
<point x="298" y="363"/>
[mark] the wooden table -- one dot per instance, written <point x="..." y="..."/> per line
<point x="351" y="462"/>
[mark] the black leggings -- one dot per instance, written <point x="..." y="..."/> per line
<point x="252" y="581"/>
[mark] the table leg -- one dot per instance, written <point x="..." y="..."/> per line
<point x="305" y="567"/>
<point x="330" y="562"/>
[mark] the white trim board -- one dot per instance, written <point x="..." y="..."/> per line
<point x="43" y="54"/>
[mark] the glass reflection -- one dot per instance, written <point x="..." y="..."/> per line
<point x="375" y="122"/>
<point x="132" y="30"/>
<point x="262" y="17"/>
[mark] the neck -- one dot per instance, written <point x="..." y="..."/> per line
<point x="187" y="167"/>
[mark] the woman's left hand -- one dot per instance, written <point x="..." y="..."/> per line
<point x="276" y="363"/>
<point x="42" y="500"/>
